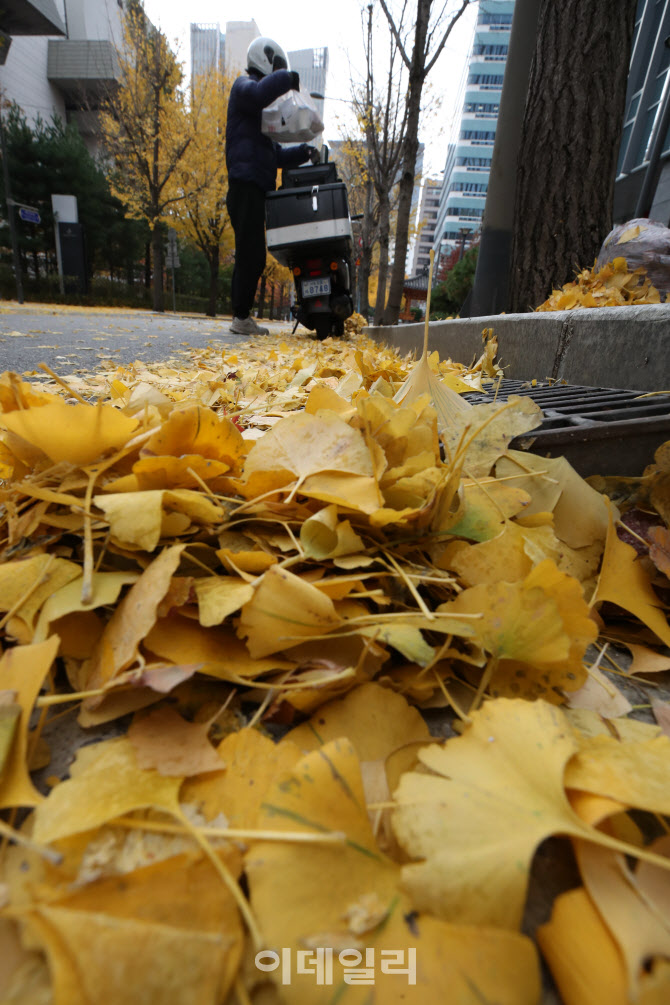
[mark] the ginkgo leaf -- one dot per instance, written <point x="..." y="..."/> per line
<point x="623" y="581"/>
<point x="346" y="895"/>
<point x="165" y="741"/>
<point x="583" y="957"/>
<point x="374" y="719"/>
<point x="636" y="926"/>
<point x="106" y="782"/>
<point x="79" y="434"/>
<point x="634" y="772"/>
<point x="219" y="596"/>
<point x="303" y="445"/>
<point x="323" y="536"/>
<point x="131" y="622"/>
<point x="253" y="763"/>
<point x="105" y="589"/>
<point x="22" y="673"/>
<point x="492" y="795"/>
<point x="483" y="434"/>
<point x="283" y="610"/>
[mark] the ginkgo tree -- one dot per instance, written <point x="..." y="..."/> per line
<point x="147" y="129"/>
<point x="202" y="179"/>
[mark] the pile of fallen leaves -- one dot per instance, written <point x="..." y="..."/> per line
<point x="267" y="543"/>
<point x="614" y="285"/>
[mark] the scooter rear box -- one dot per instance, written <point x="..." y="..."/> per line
<point x="317" y="215"/>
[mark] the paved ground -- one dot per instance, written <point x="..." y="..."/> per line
<point x="71" y="339"/>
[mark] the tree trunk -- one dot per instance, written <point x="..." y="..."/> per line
<point x="271" y="309"/>
<point x="407" y="178"/>
<point x="569" y="144"/>
<point x="157" y="247"/>
<point x="261" y="297"/>
<point x="147" y="265"/>
<point x="213" y="281"/>
<point x="384" y="227"/>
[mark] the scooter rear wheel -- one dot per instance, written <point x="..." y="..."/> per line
<point x="322" y="326"/>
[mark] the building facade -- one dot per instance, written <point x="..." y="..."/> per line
<point x="426" y="223"/>
<point x="312" y="65"/>
<point x="63" y="72"/>
<point x="207" y="49"/>
<point x="468" y="163"/>
<point x="647" y="101"/>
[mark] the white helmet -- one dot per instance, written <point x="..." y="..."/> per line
<point x="265" y="56"/>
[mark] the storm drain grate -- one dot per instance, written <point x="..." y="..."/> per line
<point x="601" y="430"/>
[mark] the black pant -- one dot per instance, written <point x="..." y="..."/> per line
<point x="246" y="208"/>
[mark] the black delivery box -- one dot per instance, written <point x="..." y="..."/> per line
<point x="317" y="215"/>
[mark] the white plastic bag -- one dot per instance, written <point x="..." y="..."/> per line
<point x="291" y="118"/>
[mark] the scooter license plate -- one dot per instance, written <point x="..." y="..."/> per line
<point x="316" y="287"/>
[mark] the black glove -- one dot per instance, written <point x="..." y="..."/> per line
<point x="314" y="154"/>
<point x="295" y="80"/>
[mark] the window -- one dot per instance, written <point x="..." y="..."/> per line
<point x="478" y="136"/>
<point x="495" y="20"/>
<point x="481" y="108"/>
<point x="489" y="50"/>
<point x="481" y="163"/>
<point x="468" y="186"/>
<point x="488" y="81"/>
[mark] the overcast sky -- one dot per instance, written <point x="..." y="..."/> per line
<point x="302" y="24"/>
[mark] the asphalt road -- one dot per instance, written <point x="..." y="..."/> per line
<point x="74" y="339"/>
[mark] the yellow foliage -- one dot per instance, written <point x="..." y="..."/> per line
<point x="612" y="286"/>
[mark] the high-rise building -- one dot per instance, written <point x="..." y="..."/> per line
<point x="212" y="49"/>
<point x="468" y="163"/>
<point x="312" y="65"/>
<point x="47" y="75"/>
<point x="207" y="49"/>
<point x="426" y="222"/>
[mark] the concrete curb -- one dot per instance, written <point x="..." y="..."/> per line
<point x="600" y="347"/>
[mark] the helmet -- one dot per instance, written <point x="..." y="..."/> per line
<point x="265" y="56"/>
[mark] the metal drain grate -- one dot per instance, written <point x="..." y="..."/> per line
<point x="601" y="430"/>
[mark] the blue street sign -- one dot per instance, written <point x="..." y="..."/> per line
<point x="29" y="215"/>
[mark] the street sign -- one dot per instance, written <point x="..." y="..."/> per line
<point x="29" y="215"/>
<point x="172" y="259"/>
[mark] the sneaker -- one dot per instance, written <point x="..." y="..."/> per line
<point x="247" y="326"/>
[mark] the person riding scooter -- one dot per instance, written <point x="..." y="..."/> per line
<point x="252" y="160"/>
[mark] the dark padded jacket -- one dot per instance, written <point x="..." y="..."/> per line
<point x="251" y="156"/>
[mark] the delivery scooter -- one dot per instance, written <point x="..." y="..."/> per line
<point x="309" y="231"/>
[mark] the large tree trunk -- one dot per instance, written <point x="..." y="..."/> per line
<point x="157" y="248"/>
<point x="384" y="227"/>
<point x="407" y="178"/>
<point x="147" y="265"/>
<point x="569" y="144"/>
<point x="213" y="281"/>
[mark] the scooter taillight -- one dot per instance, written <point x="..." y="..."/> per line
<point x="314" y="263"/>
<point x="315" y="272"/>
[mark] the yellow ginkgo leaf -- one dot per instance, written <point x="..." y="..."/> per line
<point x="373" y="718"/>
<point x="323" y="536"/>
<point x="583" y="957"/>
<point x="634" y="772"/>
<point x="106" y="782"/>
<point x="22" y="673"/>
<point x="284" y="610"/>
<point x="79" y="434"/>
<point x="253" y="763"/>
<point x="639" y="931"/>
<point x="27" y="583"/>
<point x="479" y="437"/>
<point x="303" y="445"/>
<point x="346" y="895"/>
<point x="106" y="587"/>
<point x="131" y="621"/>
<point x="624" y="581"/>
<point x="216" y="651"/>
<point x="492" y="796"/>
<point x="485" y="510"/>
<point x="219" y="596"/>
